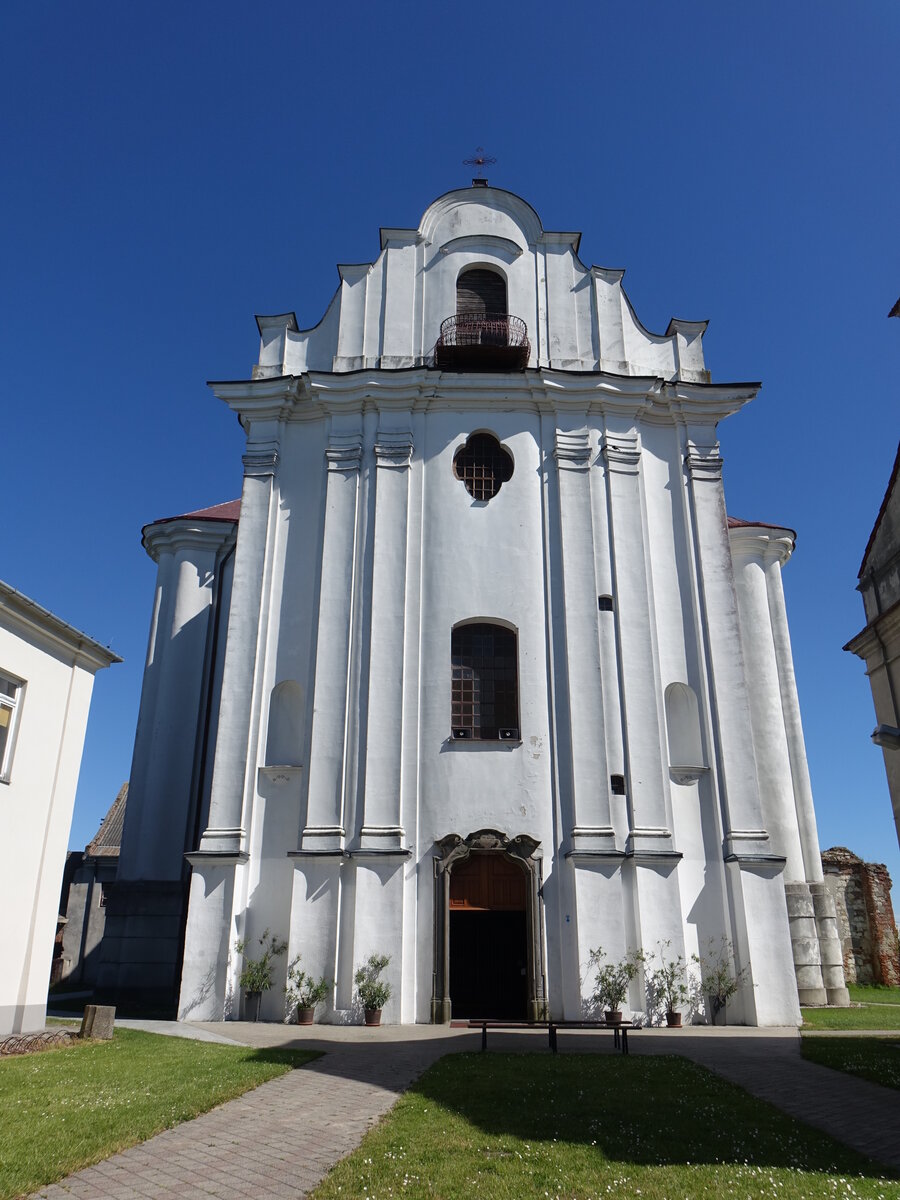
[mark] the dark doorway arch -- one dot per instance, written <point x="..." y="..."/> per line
<point x="488" y="947"/>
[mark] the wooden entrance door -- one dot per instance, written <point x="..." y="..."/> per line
<point x="488" y="938"/>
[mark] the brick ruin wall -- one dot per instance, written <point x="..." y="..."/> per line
<point x="868" y="931"/>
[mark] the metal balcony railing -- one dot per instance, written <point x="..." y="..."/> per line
<point x="482" y="342"/>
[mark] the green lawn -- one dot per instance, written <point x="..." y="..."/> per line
<point x="876" y="1059"/>
<point x="873" y="993"/>
<point x="63" y="1109"/>
<point x="578" y="1127"/>
<point x="866" y="1016"/>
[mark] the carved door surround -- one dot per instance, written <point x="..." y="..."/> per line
<point x="520" y="850"/>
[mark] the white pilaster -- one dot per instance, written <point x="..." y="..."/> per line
<point x="324" y="829"/>
<point x="749" y="550"/>
<point x="592" y="826"/>
<point x="225" y="833"/>
<point x="646" y="775"/>
<point x="382" y="829"/>
<point x="208" y="991"/>
<point x="745" y="835"/>
<point x="165" y="743"/>
<point x="777" y="555"/>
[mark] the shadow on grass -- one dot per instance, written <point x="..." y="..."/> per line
<point x="653" y="1111"/>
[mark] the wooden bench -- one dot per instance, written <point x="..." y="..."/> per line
<point x="485" y="1025"/>
<point x="619" y="1029"/>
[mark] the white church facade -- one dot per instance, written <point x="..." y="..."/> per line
<point x="477" y="674"/>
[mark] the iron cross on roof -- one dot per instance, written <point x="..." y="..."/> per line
<point x="479" y="161"/>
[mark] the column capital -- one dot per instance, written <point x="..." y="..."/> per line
<point x="573" y="450"/>
<point x="393" y="447"/>
<point x="344" y="452"/>
<point x="622" y="452"/>
<point x="703" y="462"/>
<point x="766" y="544"/>
<point x="261" y="459"/>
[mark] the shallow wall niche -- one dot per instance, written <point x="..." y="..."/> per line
<point x="285" y="732"/>
<point x="686" y="758"/>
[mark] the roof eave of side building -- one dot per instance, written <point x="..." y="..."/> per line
<point x="88" y="652"/>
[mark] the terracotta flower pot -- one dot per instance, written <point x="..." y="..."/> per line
<point x="305" y="1016"/>
<point x="373" y="1016"/>
<point x="673" y="1020"/>
<point x="613" y="1016"/>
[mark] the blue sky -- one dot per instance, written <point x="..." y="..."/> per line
<point x="171" y="170"/>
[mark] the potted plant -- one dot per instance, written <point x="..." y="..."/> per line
<point x="669" y="984"/>
<point x="256" y="976"/>
<point x="303" y="992"/>
<point x="373" y="991"/>
<point x="612" y="981"/>
<point x="718" y="979"/>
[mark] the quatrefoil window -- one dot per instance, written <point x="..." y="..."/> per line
<point x="483" y="466"/>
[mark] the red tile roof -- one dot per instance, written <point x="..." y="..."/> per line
<point x="229" y="511"/>
<point x="737" y="523"/>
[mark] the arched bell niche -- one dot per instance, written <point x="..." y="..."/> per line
<point x="487" y="915"/>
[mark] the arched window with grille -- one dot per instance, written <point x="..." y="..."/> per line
<point x="480" y="292"/>
<point x="485" y="682"/>
<point x="482" y="335"/>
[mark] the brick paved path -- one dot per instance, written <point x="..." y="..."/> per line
<point x="279" y="1140"/>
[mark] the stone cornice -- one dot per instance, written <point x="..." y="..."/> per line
<point x="765" y="544"/>
<point x="884" y="627"/>
<point x="181" y="534"/>
<point x="262" y="399"/>
<point x="644" y="397"/>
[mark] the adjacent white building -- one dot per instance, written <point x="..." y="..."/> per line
<point x="477" y="674"/>
<point x="47" y="673"/>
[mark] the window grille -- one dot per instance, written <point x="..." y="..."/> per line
<point x="480" y="291"/>
<point x="483" y="466"/>
<point x="485" y="688"/>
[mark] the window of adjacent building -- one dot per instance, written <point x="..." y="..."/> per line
<point x="10" y="706"/>
<point x="483" y="466"/>
<point x="485" y="689"/>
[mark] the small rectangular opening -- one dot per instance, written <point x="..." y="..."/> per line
<point x="605" y="603"/>
<point x="617" y="784"/>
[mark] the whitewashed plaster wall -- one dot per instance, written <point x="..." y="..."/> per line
<point x="358" y="551"/>
<point x="461" y="560"/>
<point x="388" y="313"/>
<point x="56" y="665"/>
